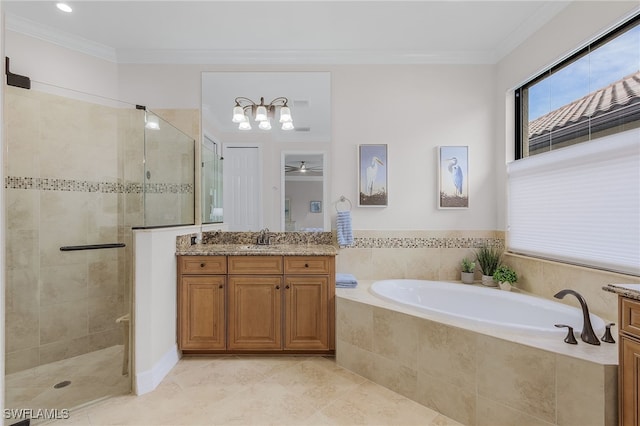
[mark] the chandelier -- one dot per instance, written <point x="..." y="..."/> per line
<point x="261" y="113"/>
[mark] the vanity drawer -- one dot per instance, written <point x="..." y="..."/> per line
<point x="307" y="264"/>
<point x="630" y="316"/>
<point x="258" y="265"/>
<point x="203" y="265"/>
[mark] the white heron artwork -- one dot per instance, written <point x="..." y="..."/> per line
<point x="373" y="175"/>
<point x="454" y="176"/>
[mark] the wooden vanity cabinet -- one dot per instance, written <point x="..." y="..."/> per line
<point x="255" y="303"/>
<point x="629" y="353"/>
<point x="201" y="302"/>
<point x="307" y="297"/>
<point x="262" y="304"/>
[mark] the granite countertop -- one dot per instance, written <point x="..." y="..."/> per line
<point x="632" y="291"/>
<point x="257" y="250"/>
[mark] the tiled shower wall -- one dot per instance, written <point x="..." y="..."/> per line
<point x="64" y="187"/>
<point x="436" y="255"/>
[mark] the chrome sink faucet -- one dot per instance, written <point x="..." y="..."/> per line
<point x="587" y="335"/>
<point x="264" y="238"/>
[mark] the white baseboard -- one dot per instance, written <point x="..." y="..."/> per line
<point x="146" y="381"/>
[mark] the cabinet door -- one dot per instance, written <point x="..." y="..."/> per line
<point x="306" y="312"/>
<point x="202" y="314"/>
<point x="255" y="316"/>
<point x="630" y="370"/>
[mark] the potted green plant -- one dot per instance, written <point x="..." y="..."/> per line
<point x="488" y="259"/>
<point x="505" y="276"/>
<point x="468" y="268"/>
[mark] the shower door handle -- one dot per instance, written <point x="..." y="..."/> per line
<point x="92" y="246"/>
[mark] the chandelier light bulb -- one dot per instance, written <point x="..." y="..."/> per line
<point x="238" y="115"/>
<point x="265" y="125"/>
<point x="285" y="115"/>
<point x="287" y="125"/>
<point x="245" y="125"/>
<point x="261" y="113"/>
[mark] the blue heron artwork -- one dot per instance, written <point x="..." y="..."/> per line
<point x="454" y="177"/>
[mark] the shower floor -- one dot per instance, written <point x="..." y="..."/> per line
<point x="93" y="376"/>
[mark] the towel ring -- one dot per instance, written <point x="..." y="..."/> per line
<point x="344" y="199"/>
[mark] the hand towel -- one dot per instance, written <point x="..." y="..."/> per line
<point x="345" y="281"/>
<point x="344" y="231"/>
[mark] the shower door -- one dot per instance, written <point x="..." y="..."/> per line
<point x="68" y="246"/>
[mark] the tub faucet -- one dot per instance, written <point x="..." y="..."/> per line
<point x="587" y="335"/>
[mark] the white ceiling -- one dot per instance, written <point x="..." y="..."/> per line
<point x="308" y="32"/>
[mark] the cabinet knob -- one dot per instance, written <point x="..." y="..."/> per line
<point x="202" y="265"/>
<point x="306" y="265"/>
<point x="220" y="286"/>
<point x="287" y="287"/>
<point x="277" y="287"/>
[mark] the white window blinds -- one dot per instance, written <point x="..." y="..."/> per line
<point x="579" y="204"/>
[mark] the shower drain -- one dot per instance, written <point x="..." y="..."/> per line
<point x="62" y="384"/>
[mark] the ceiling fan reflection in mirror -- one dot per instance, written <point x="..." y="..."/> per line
<point x="304" y="167"/>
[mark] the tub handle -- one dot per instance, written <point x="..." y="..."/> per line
<point x="607" y="334"/>
<point x="571" y="338"/>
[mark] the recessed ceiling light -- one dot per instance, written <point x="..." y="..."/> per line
<point x="64" y="7"/>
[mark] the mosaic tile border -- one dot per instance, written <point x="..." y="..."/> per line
<point x="229" y="237"/>
<point x="426" y="242"/>
<point x="71" y="185"/>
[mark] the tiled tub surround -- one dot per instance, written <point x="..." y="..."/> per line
<point x="473" y="373"/>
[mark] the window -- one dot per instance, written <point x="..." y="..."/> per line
<point x="580" y="204"/>
<point x="593" y="93"/>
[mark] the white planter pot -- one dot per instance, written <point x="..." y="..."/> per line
<point x="488" y="281"/>
<point x="504" y="286"/>
<point x="467" y="277"/>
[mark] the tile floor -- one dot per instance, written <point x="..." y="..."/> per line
<point x="93" y="376"/>
<point x="253" y="390"/>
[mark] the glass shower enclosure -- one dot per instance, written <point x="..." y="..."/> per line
<point x="80" y="173"/>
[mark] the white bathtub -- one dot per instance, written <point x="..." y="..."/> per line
<point x="503" y="309"/>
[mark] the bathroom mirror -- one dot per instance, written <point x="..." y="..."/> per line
<point x="304" y="207"/>
<point x="308" y="95"/>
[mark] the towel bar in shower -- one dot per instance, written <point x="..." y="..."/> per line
<point x="92" y="247"/>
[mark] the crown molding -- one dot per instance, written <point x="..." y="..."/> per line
<point x="48" y="34"/>
<point x="298" y="57"/>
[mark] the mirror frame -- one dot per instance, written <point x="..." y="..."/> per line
<point x="326" y="218"/>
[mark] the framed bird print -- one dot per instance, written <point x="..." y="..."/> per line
<point x="453" y="177"/>
<point x="372" y="176"/>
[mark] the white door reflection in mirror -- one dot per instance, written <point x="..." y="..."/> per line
<point x="242" y="189"/>
<point x="303" y="196"/>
